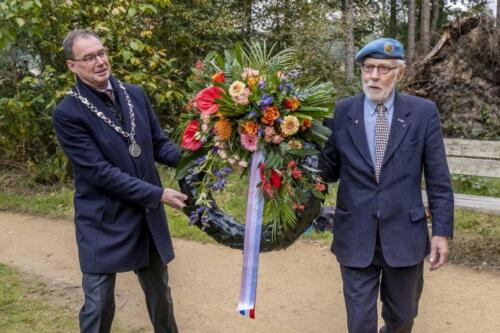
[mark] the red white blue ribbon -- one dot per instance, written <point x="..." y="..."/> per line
<point x="251" y="248"/>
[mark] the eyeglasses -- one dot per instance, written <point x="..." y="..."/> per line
<point x="91" y="58"/>
<point x="381" y="69"/>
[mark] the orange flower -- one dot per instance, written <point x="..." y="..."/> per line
<point x="218" y="77"/>
<point x="223" y="129"/>
<point x="306" y="123"/>
<point x="249" y="127"/>
<point x="291" y="103"/>
<point x="269" y="115"/>
<point x="252" y="82"/>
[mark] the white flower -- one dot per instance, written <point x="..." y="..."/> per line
<point x="243" y="163"/>
<point x="236" y="88"/>
<point x="222" y="154"/>
<point x="231" y="161"/>
<point x="204" y="127"/>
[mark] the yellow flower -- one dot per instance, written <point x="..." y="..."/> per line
<point x="290" y="125"/>
<point x="295" y="144"/>
<point x="236" y="88"/>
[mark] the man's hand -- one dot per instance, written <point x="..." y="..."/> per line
<point x="173" y="198"/>
<point x="439" y="252"/>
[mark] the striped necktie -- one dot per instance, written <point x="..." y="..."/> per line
<point x="381" y="137"/>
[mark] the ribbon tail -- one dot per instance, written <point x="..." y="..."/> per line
<point x="251" y="247"/>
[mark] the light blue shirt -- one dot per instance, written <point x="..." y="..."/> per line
<point x="370" y="116"/>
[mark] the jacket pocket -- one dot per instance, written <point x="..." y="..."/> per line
<point x="411" y="145"/>
<point x="109" y="210"/>
<point x="417" y="214"/>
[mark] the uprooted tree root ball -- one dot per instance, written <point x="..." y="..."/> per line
<point x="462" y="75"/>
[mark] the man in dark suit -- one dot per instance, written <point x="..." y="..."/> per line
<point x="112" y="137"/>
<point x="381" y="142"/>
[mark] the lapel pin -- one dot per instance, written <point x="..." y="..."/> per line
<point x="402" y="122"/>
<point x="356" y="121"/>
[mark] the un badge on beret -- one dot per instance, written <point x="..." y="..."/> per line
<point x="388" y="48"/>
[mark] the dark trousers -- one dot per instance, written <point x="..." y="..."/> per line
<point x="96" y="315"/>
<point x="400" y="290"/>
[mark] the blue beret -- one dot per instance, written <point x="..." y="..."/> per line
<point x="382" y="48"/>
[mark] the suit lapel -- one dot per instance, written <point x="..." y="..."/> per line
<point x="123" y="103"/>
<point x="356" y="128"/>
<point x="399" y="127"/>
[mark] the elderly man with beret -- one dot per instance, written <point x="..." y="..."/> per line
<point x="382" y="142"/>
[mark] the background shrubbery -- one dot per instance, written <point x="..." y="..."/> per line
<point x="154" y="44"/>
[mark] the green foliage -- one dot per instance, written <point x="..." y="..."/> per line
<point x="35" y="78"/>
<point x="484" y="186"/>
<point x="22" y="309"/>
<point x="155" y="43"/>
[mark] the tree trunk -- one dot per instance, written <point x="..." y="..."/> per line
<point x="349" y="47"/>
<point x="435" y="17"/>
<point x="248" y="16"/>
<point x="393" y="19"/>
<point x="411" y="31"/>
<point x="424" y="45"/>
<point x="498" y="20"/>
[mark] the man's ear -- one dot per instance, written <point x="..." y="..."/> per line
<point x="401" y="72"/>
<point x="71" y="65"/>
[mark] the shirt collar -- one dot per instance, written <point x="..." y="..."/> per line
<point x="388" y="103"/>
<point x="109" y="87"/>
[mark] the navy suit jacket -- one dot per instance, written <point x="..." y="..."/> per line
<point x="393" y="207"/>
<point x="117" y="197"/>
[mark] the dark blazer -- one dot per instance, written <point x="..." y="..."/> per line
<point x="117" y="197"/>
<point x="393" y="206"/>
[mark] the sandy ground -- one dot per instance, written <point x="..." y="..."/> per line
<point x="299" y="289"/>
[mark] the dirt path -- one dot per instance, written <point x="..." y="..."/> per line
<point x="299" y="289"/>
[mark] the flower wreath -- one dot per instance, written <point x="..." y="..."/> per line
<point x="254" y="99"/>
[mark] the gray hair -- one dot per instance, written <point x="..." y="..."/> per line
<point x="73" y="35"/>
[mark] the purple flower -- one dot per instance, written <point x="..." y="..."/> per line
<point x="279" y="120"/>
<point x="260" y="131"/>
<point x="262" y="84"/>
<point x="227" y="170"/>
<point x="193" y="217"/>
<point x="252" y="114"/>
<point x="266" y="101"/>
<point x="287" y="86"/>
<point x="200" y="160"/>
<point x="219" y="184"/>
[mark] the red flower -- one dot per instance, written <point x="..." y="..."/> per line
<point x="292" y="164"/>
<point x="298" y="206"/>
<point x="320" y="187"/>
<point x="296" y="173"/>
<point x="188" y="138"/>
<point x="218" y="77"/>
<point x="205" y="100"/>
<point x="275" y="179"/>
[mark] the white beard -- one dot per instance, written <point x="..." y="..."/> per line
<point x="381" y="95"/>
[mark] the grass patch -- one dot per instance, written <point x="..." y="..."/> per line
<point x="477" y="240"/>
<point x="21" y="310"/>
